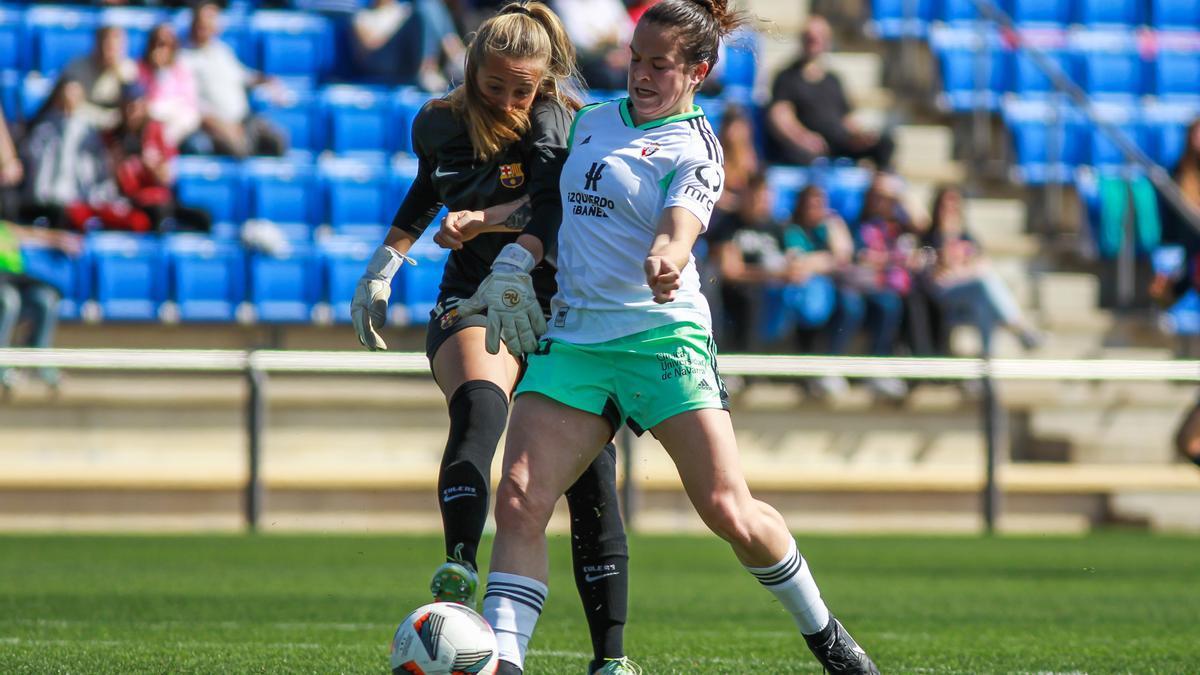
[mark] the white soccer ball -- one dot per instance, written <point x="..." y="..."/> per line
<point x="444" y="638"/>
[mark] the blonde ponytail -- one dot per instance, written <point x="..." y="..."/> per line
<point x="526" y="30"/>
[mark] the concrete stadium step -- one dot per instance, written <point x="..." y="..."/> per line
<point x="1102" y="435"/>
<point x="861" y="74"/>
<point x="999" y="225"/>
<point x="993" y="220"/>
<point x="783" y="19"/>
<point x="1058" y="395"/>
<point x="925" y="152"/>
<point x="1071" y="300"/>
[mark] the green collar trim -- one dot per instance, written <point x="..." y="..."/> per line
<point x="626" y="108"/>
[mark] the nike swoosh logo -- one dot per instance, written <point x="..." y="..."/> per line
<point x="597" y="577"/>
<point x="450" y="498"/>
<point x="438" y="173"/>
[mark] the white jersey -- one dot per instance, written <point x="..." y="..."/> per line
<point x="618" y="179"/>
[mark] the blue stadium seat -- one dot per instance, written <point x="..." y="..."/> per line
<point x="901" y="18"/>
<point x="406" y="103"/>
<point x="343" y="260"/>
<point x="1029" y="81"/>
<point x="213" y="185"/>
<point x="1166" y="131"/>
<point x="419" y="289"/>
<point x="299" y="117"/>
<point x="1046" y="141"/>
<point x="739" y="65"/>
<point x="10" y="94"/>
<point x="1113" y="75"/>
<point x="137" y="22"/>
<point x="1108" y="13"/>
<point x="285" y="290"/>
<point x="1045" y="13"/>
<point x="356" y="193"/>
<point x="35" y="89"/>
<point x="401" y="175"/>
<point x="12" y="45"/>
<point x="1175" y="14"/>
<point x="846" y="187"/>
<point x="359" y="120"/>
<point x="58" y="35"/>
<point x="956" y="11"/>
<point x="959" y="73"/>
<point x="129" y="274"/>
<point x="292" y="43"/>
<point x="207" y="277"/>
<point x="1177" y="75"/>
<point x="1104" y="153"/>
<point x="60" y="271"/>
<point x="786" y="182"/>
<point x="282" y="191"/>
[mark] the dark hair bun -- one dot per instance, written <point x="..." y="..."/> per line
<point x="727" y="21"/>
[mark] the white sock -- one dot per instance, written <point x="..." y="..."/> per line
<point x="791" y="582"/>
<point x="512" y="606"/>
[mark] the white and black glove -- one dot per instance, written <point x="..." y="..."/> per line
<point x="368" y="309"/>
<point x="513" y="312"/>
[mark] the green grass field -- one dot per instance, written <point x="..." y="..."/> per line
<point x="1113" y="602"/>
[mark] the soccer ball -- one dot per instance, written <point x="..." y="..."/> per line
<point x="444" y="638"/>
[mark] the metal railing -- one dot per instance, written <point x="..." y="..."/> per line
<point x="256" y="367"/>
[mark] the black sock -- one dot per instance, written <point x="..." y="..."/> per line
<point x="508" y="668"/>
<point x="600" y="555"/>
<point x="478" y="414"/>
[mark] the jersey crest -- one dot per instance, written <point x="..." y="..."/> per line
<point x="650" y="148"/>
<point x="512" y="175"/>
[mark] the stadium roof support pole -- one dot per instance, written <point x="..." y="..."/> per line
<point x="256" y="412"/>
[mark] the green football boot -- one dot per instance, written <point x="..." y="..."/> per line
<point x="455" y="581"/>
<point x="621" y="666"/>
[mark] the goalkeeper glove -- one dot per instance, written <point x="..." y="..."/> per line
<point x="514" y="314"/>
<point x="368" y="309"/>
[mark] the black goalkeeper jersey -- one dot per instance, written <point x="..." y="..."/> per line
<point x="448" y="173"/>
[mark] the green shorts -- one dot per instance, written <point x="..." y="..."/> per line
<point x="641" y="379"/>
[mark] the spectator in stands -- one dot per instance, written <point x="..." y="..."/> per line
<point x="102" y="74"/>
<point x="600" y="31"/>
<point x="12" y="172"/>
<point x="403" y="43"/>
<point x="741" y="155"/>
<point x="70" y="181"/>
<point x="23" y="296"/>
<point x="141" y="159"/>
<point x="961" y="280"/>
<point x="1175" y="228"/>
<point x="170" y="87"/>
<point x="1187" y="438"/>
<point x="809" y="115"/>
<point x="819" y="243"/>
<point x="764" y="291"/>
<point x="227" y="125"/>
<point x="884" y="282"/>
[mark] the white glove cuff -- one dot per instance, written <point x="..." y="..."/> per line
<point x="516" y="256"/>
<point x="385" y="262"/>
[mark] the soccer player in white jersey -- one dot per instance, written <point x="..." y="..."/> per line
<point x="630" y="338"/>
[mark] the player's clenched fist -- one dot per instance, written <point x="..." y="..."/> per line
<point x="663" y="277"/>
<point x="458" y="228"/>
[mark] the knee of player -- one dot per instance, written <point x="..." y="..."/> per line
<point x="726" y="516"/>
<point x="518" y="509"/>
